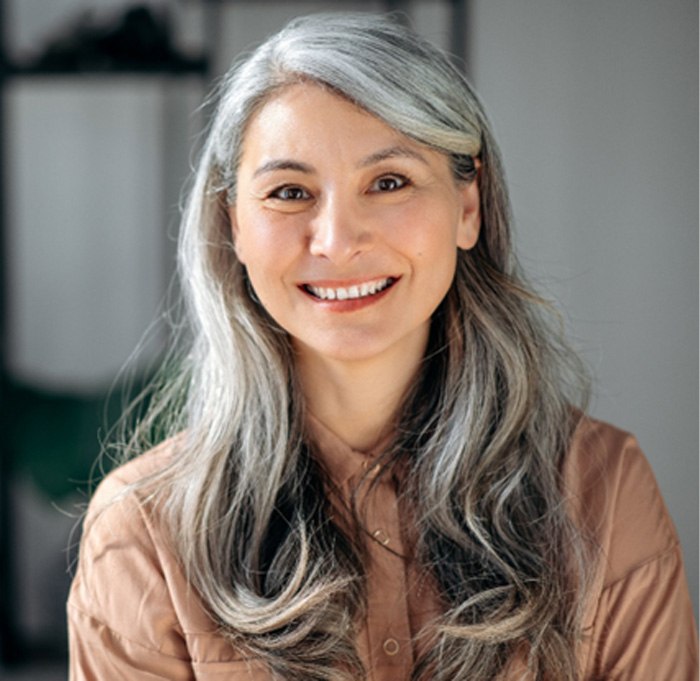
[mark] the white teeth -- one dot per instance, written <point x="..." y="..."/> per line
<point x="352" y="292"/>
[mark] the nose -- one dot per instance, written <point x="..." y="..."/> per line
<point x="339" y="231"/>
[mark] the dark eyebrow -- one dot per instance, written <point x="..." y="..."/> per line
<point x="378" y="156"/>
<point x="392" y="152"/>
<point x="282" y="164"/>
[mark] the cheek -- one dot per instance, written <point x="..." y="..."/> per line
<point x="264" y="245"/>
<point x="427" y="234"/>
<point x="433" y="243"/>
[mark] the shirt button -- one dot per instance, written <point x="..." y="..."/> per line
<point x="383" y="538"/>
<point x="391" y="646"/>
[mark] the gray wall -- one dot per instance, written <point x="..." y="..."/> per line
<point x="596" y="107"/>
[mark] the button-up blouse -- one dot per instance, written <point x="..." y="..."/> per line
<point x="132" y="614"/>
<point x="402" y="599"/>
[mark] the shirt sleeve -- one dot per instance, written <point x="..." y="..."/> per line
<point x="643" y="627"/>
<point x="121" y="621"/>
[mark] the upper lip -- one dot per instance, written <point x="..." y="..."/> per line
<point x="348" y="288"/>
<point x="347" y="283"/>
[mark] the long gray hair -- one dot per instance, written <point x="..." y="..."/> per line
<point x="482" y="432"/>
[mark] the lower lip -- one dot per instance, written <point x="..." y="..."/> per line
<point x="350" y="304"/>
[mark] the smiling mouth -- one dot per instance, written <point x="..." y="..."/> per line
<point x="369" y="288"/>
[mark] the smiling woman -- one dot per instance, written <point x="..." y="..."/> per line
<point x="331" y="204"/>
<point x="377" y="462"/>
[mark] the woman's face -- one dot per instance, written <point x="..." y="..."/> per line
<point x="348" y="229"/>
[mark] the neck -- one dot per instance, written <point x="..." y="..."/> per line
<point x="357" y="400"/>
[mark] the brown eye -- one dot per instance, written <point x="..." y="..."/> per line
<point x="290" y="193"/>
<point x="389" y="183"/>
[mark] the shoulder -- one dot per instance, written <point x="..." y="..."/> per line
<point x="133" y="473"/>
<point x="131" y="606"/>
<point x="614" y="495"/>
<point x="639" y="619"/>
<point x="124" y="506"/>
<point x="125" y="564"/>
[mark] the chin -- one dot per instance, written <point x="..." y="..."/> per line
<point x="349" y="347"/>
<point x="341" y="353"/>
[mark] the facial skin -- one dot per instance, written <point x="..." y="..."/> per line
<point x="331" y="203"/>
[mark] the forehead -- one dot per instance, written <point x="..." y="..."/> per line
<point x="307" y="118"/>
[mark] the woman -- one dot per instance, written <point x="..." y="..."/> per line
<point x="375" y="460"/>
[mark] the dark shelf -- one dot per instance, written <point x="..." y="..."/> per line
<point x="198" y="68"/>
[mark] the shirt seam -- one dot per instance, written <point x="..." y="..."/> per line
<point x="121" y="636"/>
<point x="653" y="559"/>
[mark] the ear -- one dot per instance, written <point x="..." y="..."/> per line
<point x="469" y="223"/>
<point x="233" y="221"/>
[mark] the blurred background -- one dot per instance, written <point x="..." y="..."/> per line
<point x="596" y="108"/>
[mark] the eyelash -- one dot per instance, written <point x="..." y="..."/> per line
<point x="400" y="180"/>
<point x="278" y="193"/>
<point x="283" y="193"/>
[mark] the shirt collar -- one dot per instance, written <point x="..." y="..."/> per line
<point x="342" y="463"/>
